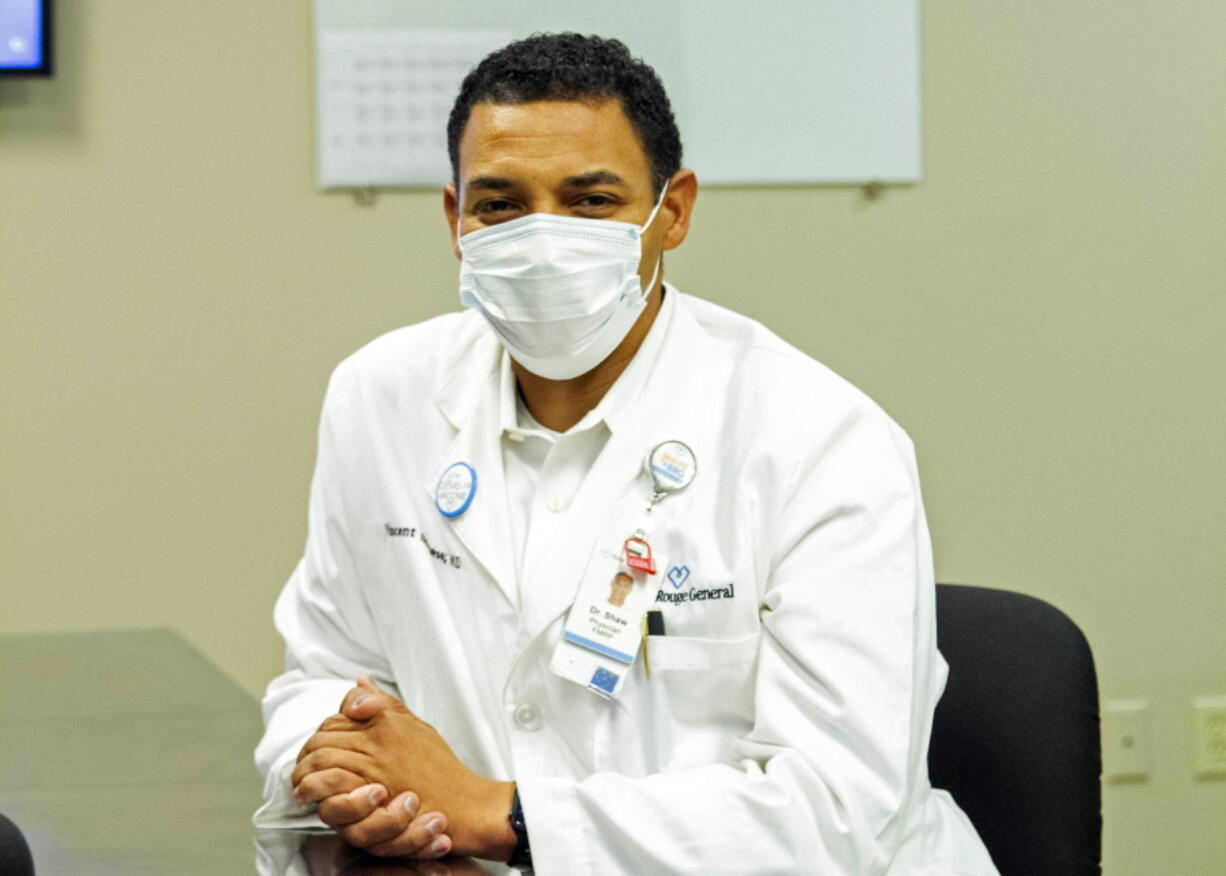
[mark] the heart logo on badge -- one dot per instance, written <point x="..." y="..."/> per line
<point x="678" y="575"/>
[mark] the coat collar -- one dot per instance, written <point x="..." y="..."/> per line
<point x="473" y="360"/>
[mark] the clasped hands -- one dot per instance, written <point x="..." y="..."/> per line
<point x="388" y="783"/>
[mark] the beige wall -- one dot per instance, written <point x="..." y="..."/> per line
<point x="1044" y="314"/>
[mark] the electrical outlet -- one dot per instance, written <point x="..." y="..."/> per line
<point x="1126" y="740"/>
<point x="1209" y="756"/>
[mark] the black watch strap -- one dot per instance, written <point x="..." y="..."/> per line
<point x="521" y="858"/>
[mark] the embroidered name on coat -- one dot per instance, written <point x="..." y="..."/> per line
<point x="697" y="594"/>
<point x="443" y="557"/>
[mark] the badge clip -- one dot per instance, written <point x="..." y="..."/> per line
<point x="638" y="555"/>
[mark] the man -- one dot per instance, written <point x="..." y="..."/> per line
<point x="477" y="478"/>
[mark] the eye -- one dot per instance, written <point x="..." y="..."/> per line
<point x="493" y="205"/>
<point x="595" y="204"/>
<point x="494" y="210"/>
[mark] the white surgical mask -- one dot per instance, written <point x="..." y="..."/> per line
<point x="560" y="292"/>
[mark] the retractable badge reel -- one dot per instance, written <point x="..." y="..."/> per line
<point x="671" y="467"/>
<point x="607" y="624"/>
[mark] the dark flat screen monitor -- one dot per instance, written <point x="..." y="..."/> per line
<point x="25" y="37"/>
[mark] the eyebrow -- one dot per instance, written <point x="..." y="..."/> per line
<point x="579" y="181"/>
<point x="593" y="178"/>
<point x="498" y="183"/>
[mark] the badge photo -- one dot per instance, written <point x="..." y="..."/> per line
<point x="604" y="629"/>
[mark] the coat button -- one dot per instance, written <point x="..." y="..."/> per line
<point x="556" y="503"/>
<point x="527" y="717"/>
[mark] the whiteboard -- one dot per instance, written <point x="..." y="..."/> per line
<point x="766" y="92"/>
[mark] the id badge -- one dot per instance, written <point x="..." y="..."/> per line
<point x="600" y="641"/>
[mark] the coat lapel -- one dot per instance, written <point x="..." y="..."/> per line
<point x="470" y="400"/>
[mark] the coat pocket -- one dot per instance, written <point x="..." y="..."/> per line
<point x="691" y="653"/>
<point x="699" y="700"/>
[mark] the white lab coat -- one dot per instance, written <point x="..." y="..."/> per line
<point x="785" y="726"/>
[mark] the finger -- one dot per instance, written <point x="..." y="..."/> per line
<point x="363" y="687"/>
<point x="383" y="824"/>
<point x="364" y="701"/>
<point x="329" y="758"/>
<point x="331" y="724"/>
<point x="327" y="783"/>
<point x="425" y="838"/>
<point x="340" y="722"/>
<point x="339" y="810"/>
<point x="341" y="740"/>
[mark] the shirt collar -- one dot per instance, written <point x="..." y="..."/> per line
<point x="613" y="409"/>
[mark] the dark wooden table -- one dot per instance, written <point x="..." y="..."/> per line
<point x="126" y="753"/>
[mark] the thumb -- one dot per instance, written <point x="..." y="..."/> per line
<point x="365" y="701"/>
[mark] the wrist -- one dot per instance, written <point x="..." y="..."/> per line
<point x="492" y="837"/>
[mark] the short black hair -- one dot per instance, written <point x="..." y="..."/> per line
<point x="570" y="66"/>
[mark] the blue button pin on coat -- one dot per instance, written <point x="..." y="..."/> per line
<point x="455" y="489"/>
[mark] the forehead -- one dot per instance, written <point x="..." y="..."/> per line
<point x="553" y="139"/>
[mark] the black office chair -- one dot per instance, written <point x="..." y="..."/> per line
<point x="1015" y="738"/>
<point x="15" y="857"/>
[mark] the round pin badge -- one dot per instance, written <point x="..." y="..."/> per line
<point x="671" y="466"/>
<point x="455" y="489"/>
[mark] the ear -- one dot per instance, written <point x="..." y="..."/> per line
<point x="451" y="207"/>
<point x="678" y="207"/>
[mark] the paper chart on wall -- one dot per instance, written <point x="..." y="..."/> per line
<point x="776" y="92"/>
<point x="383" y="101"/>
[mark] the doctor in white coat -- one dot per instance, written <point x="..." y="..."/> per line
<point x="476" y="472"/>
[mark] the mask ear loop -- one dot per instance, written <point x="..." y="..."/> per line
<point x="655" y="275"/>
<point x="654" y="210"/>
